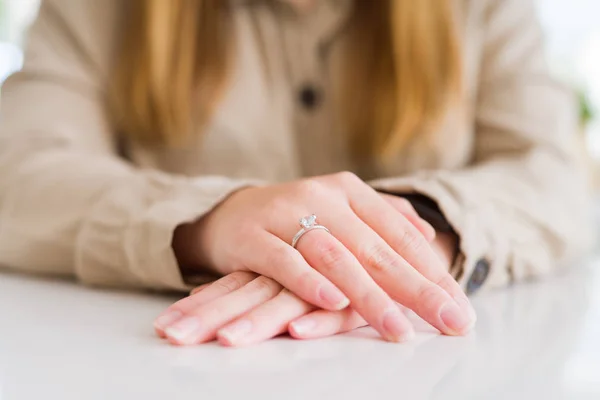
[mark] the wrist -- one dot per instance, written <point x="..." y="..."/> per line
<point x="193" y="242"/>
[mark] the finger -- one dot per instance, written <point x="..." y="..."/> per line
<point x="404" y="206"/>
<point x="219" y="288"/>
<point x="202" y="323"/>
<point x="406" y="241"/>
<point x="265" y="321"/>
<point x="398" y="278"/>
<point x="199" y="288"/>
<point x="284" y="264"/>
<point x="323" y="323"/>
<point x="328" y="256"/>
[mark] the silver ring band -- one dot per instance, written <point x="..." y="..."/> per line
<point x="302" y="231"/>
<point x="308" y="224"/>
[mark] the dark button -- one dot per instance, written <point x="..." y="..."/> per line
<point x="309" y="97"/>
<point x="479" y="275"/>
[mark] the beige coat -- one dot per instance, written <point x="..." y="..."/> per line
<point x="501" y="167"/>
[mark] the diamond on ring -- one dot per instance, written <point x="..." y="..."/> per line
<point x="309" y="221"/>
<point x="308" y="224"/>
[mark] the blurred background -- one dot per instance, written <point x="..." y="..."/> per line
<point x="573" y="40"/>
<point x="572" y="30"/>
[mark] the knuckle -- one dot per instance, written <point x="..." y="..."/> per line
<point x="307" y="280"/>
<point x="310" y="188"/>
<point x="368" y="300"/>
<point x="409" y="241"/>
<point x="244" y="230"/>
<point x="379" y="259"/>
<point x="234" y="281"/>
<point x="331" y="256"/>
<point x="265" y="285"/>
<point x="373" y="300"/>
<point x="279" y="257"/>
<point x="348" y="178"/>
<point x="448" y="283"/>
<point x="278" y="205"/>
<point x="429" y="299"/>
<point x="287" y="297"/>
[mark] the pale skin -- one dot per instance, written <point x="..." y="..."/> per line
<point x="379" y="254"/>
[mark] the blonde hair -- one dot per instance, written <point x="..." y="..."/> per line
<point x="402" y="69"/>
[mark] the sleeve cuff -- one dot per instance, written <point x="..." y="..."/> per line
<point x="127" y="239"/>
<point x="473" y="243"/>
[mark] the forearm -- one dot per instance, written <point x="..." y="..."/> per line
<point x="100" y="219"/>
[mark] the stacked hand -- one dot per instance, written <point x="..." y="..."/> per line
<point x="377" y="255"/>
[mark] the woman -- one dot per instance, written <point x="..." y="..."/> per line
<point x="161" y="144"/>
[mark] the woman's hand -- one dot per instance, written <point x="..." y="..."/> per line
<point x="224" y="308"/>
<point x="218" y="304"/>
<point x="245" y="308"/>
<point x="374" y="254"/>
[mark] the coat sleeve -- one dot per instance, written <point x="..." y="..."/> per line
<point x="520" y="208"/>
<point x="69" y="204"/>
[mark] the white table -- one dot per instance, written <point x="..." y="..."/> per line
<point x="62" y="341"/>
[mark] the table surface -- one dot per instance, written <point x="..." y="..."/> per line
<point x="59" y="340"/>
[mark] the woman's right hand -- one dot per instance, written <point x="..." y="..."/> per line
<point x="244" y="308"/>
<point x="373" y="258"/>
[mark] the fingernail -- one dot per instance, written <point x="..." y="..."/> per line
<point x="397" y="328"/>
<point x="304" y="326"/>
<point x="235" y="332"/>
<point x="334" y="297"/>
<point x="185" y="330"/>
<point x="166" y="319"/>
<point x="457" y="320"/>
